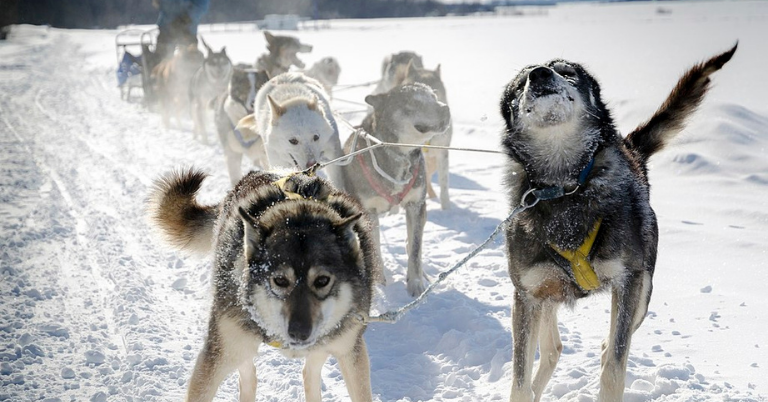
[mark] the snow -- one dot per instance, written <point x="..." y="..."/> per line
<point x="94" y="307"/>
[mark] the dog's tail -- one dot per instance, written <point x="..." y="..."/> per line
<point x="173" y="209"/>
<point x="669" y="120"/>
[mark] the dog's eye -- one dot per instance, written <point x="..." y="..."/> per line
<point x="316" y="137"/>
<point x="294" y="141"/>
<point x="322" y="281"/>
<point x="281" y="281"/>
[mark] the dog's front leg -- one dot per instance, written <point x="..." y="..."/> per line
<point x="356" y="370"/>
<point x="313" y="382"/>
<point x="234" y="161"/>
<point x="373" y="216"/>
<point x="442" y="178"/>
<point x="550" y="348"/>
<point x="415" y="219"/>
<point x="526" y="314"/>
<point x="248" y="381"/>
<point x="628" y="309"/>
<point x="226" y="348"/>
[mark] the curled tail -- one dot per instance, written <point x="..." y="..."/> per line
<point x="174" y="210"/>
<point x="685" y="98"/>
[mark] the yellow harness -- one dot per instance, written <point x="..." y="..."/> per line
<point x="582" y="270"/>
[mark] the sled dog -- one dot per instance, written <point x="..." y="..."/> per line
<point x="327" y="72"/>
<point x="593" y="229"/>
<point x="293" y="267"/>
<point x="229" y="109"/>
<point x="209" y="82"/>
<point x="409" y="114"/>
<point x="172" y="77"/>
<point x="293" y="117"/>
<point x="436" y="159"/>
<point x="283" y="53"/>
<point x="393" y="70"/>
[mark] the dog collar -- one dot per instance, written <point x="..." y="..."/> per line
<point x="554" y="192"/>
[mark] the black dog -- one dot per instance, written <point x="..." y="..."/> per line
<point x="593" y="228"/>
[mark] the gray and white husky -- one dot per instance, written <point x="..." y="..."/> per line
<point x="209" y="82"/>
<point x="293" y="267"/>
<point x="294" y="119"/>
<point x="436" y="159"/>
<point x="410" y="114"/>
<point x="591" y="228"/>
<point x="393" y="70"/>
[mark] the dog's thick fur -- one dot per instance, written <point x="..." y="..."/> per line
<point x="229" y="110"/>
<point x="409" y="114"/>
<point x="556" y="122"/>
<point x="172" y="77"/>
<point x="296" y="271"/>
<point x="327" y="71"/>
<point x="393" y="70"/>
<point x="208" y="83"/>
<point x="283" y="53"/>
<point x="293" y="117"/>
<point x="436" y="159"/>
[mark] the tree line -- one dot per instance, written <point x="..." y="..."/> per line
<point x="113" y="13"/>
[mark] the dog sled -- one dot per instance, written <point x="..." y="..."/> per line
<point x="135" y="52"/>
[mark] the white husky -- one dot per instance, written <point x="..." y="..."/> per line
<point x="294" y="119"/>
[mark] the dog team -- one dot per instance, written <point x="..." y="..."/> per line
<point x="296" y="256"/>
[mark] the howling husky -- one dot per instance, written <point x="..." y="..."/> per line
<point x="590" y="227"/>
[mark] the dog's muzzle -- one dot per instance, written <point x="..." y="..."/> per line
<point x="542" y="82"/>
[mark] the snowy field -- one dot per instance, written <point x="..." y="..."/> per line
<point x="94" y="308"/>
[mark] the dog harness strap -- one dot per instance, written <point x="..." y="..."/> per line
<point x="280" y="183"/>
<point x="583" y="272"/>
<point x="393" y="199"/>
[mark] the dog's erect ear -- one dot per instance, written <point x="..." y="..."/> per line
<point x="253" y="233"/>
<point x="437" y="71"/>
<point x="345" y="228"/>
<point x="277" y="109"/>
<point x="411" y="69"/>
<point x="224" y="50"/>
<point x="207" y="48"/>
<point x="348" y="222"/>
<point x="312" y="105"/>
<point x="269" y="37"/>
<point x="374" y="100"/>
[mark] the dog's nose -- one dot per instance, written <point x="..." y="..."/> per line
<point x="540" y="74"/>
<point x="299" y="330"/>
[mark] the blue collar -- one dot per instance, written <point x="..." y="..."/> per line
<point x="554" y="192"/>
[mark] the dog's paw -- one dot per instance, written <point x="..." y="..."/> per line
<point x="416" y="286"/>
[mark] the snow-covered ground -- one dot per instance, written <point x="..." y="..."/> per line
<point x="94" y="308"/>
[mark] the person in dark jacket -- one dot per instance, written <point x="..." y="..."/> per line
<point x="177" y="22"/>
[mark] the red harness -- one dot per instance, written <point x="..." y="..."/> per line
<point x="393" y="199"/>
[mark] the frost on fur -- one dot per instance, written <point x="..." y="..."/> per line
<point x="173" y="209"/>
